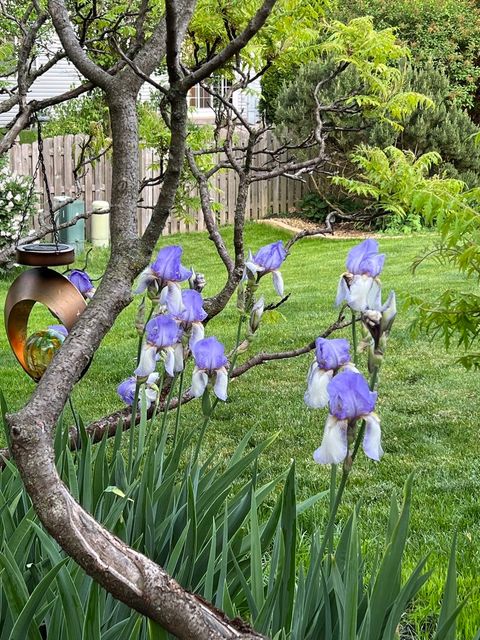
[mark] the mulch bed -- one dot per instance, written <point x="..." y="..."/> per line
<point x="341" y="230"/>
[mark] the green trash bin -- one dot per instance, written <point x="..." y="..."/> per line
<point x="74" y="235"/>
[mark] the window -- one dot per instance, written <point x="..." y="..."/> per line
<point x="198" y="98"/>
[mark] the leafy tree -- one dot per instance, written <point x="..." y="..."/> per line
<point x="398" y="184"/>
<point x="86" y="114"/>
<point x="455" y="314"/>
<point x="358" y="75"/>
<point x="444" y="127"/>
<point x="445" y="32"/>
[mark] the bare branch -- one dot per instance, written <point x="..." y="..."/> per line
<point x="22" y="119"/>
<point x="110" y="423"/>
<point x="228" y="104"/>
<point x="296" y="168"/>
<point x="208" y="215"/>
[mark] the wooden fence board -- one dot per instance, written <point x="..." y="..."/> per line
<point x="265" y="197"/>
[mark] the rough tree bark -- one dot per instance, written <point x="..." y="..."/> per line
<point x="128" y="575"/>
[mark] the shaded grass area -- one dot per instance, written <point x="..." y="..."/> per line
<point x="429" y="405"/>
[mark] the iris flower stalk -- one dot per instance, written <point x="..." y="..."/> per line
<point x="210" y="361"/>
<point x="336" y="498"/>
<point x="216" y="400"/>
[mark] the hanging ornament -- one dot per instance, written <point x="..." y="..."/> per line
<point x="59" y="295"/>
<point x="41" y="285"/>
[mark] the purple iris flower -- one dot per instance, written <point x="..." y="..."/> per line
<point x="162" y="334"/>
<point x="192" y="316"/>
<point x="166" y="272"/>
<point x="162" y="331"/>
<point x="126" y="389"/>
<point x="210" y="359"/>
<point x="350" y="399"/>
<point x="59" y="328"/>
<point x="268" y="259"/>
<point x="271" y="256"/>
<point x="81" y="280"/>
<point x="364" y="259"/>
<point x="359" y="287"/>
<point x="331" y="354"/>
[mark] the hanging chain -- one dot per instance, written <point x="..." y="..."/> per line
<point x="41" y="161"/>
<point x="28" y="202"/>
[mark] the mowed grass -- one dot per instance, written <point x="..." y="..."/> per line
<point x="429" y="405"/>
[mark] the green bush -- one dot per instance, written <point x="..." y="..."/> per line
<point x="313" y="207"/>
<point x="445" y="128"/>
<point x="17" y="204"/>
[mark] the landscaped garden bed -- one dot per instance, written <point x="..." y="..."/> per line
<point x="423" y="395"/>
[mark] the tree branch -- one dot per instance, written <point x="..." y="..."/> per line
<point x="22" y="119"/>
<point x="233" y="47"/>
<point x="208" y="215"/>
<point x="73" y="48"/>
<point x="109" y="424"/>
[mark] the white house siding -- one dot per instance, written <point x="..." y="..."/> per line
<point x="60" y="78"/>
<point x="64" y="76"/>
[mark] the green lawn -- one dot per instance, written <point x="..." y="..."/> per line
<point x="428" y="404"/>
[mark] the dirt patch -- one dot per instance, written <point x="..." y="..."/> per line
<point x="341" y="230"/>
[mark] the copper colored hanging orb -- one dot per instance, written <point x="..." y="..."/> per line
<point x="51" y="289"/>
<point x="45" y="254"/>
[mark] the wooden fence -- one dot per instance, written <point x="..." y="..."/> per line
<point x="277" y="195"/>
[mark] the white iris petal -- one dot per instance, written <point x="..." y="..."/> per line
<point x="342" y="292"/>
<point x="334" y="447"/>
<point x="169" y="361"/>
<point x="153" y="378"/>
<point x="146" y="277"/>
<point x="199" y="382"/>
<point x="178" y="358"/>
<point x="278" y="282"/>
<point x="374" y="296"/>
<point x="198" y="333"/>
<point x="174" y="299"/>
<point x="359" y="292"/>
<point x="371" y="441"/>
<point x="221" y="383"/>
<point x="316" y="395"/>
<point x="148" y="361"/>
<point x="151" y="396"/>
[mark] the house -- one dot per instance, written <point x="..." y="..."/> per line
<point x="63" y="76"/>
